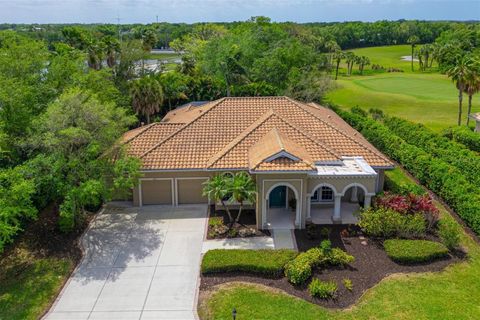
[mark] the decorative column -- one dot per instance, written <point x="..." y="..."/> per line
<point x="368" y="201"/>
<point x="337" y="217"/>
<point x="309" y="213"/>
<point x="354" y="197"/>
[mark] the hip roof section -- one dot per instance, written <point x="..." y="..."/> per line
<point x="221" y="135"/>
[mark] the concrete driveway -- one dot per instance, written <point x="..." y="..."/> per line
<point x="140" y="263"/>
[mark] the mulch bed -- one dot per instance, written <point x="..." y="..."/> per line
<point x="248" y="220"/>
<point x="371" y="265"/>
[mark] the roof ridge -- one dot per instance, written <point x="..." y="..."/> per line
<point x="147" y="127"/>
<point x="217" y="156"/>
<point x="182" y="127"/>
<point x="281" y="139"/>
<point x="376" y="152"/>
<point x="332" y="151"/>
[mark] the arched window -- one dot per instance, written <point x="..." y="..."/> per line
<point x="323" y="194"/>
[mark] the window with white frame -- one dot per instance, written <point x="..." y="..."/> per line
<point x="323" y="194"/>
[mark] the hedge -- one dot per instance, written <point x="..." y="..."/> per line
<point x="265" y="262"/>
<point x="444" y="179"/>
<point x="414" y="251"/>
<point x="465" y="136"/>
<point x="467" y="161"/>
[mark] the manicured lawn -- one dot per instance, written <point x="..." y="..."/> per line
<point x="388" y="56"/>
<point x="429" y="98"/>
<point x="451" y="294"/>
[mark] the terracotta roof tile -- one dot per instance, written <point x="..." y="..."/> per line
<point x="221" y="135"/>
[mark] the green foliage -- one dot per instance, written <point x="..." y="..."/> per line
<point x="414" y="251"/>
<point x="444" y="179"/>
<point x="15" y="203"/>
<point x="468" y="162"/>
<point x="347" y="283"/>
<point x="465" y="136"/>
<point x="386" y="223"/>
<point x="338" y="257"/>
<point x="397" y="184"/>
<point x="321" y="289"/>
<point x="449" y="233"/>
<point x="269" y="263"/>
<point x="299" y="270"/>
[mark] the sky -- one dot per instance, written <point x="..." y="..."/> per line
<point x="147" y="11"/>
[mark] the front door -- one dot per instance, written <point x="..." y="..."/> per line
<point x="278" y="197"/>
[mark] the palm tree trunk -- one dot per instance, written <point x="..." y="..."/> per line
<point x="239" y="212"/>
<point x="469" y="108"/>
<point x="228" y="212"/>
<point x="148" y="118"/>
<point x="411" y="58"/>
<point x="460" y="99"/>
<point x="336" y="72"/>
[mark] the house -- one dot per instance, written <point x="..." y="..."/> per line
<point x="476" y="117"/>
<point x="307" y="162"/>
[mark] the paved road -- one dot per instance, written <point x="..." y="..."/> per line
<point x="140" y="263"/>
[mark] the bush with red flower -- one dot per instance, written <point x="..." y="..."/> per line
<point x="411" y="204"/>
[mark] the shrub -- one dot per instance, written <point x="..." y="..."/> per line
<point x="411" y="204"/>
<point x="445" y="180"/>
<point x="321" y="289"/>
<point x="215" y="221"/>
<point x="311" y="230"/>
<point x="338" y="257"/>
<point x="467" y="161"/>
<point x="265" y="262"/>
<point x="326" y="246"/>
<point x="414" y="251"/>
<point x="300" y="269"/>
<point x="325" y="232"/>
<point x="465" y="136"/>
<point x="347" y="283"/>
<point x="449" y="233"/>
<point x="386" y="223"/>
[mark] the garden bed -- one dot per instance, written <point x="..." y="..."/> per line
<point x="247" y="226"/>
<point x="371" y="265"/>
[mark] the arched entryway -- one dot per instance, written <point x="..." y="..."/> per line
<point x="328" y="205"/>
<point x="282" y="208"/>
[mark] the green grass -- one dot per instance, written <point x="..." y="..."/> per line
<point x="388" y="56"/>
<point x="163" y="56"/>
<point x="429" y="98"/>
<point x="30" y="284"/>
<point x="450" y="294"/>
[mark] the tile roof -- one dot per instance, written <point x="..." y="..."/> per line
<point x="222" y="134"/>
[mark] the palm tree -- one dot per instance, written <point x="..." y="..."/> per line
<point x="112" y="49"/>
<point x="459" y="75"/>
<point x="413" y="40"/>
<point x="217" y="189"/>
<point x="332" y="47"/>
<point x="243" y="189"/>
<point x="147" y="96"/>
<point x="338" y="56"/>
<point x="362" y="62"/>
<point x="350" y="58"/>
<point x="472" y="85"/>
